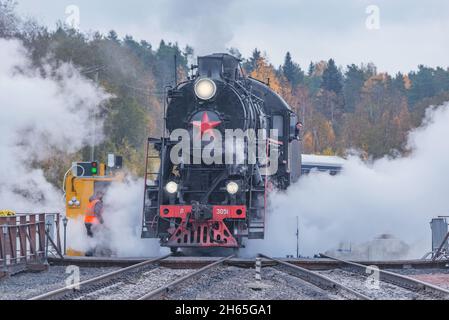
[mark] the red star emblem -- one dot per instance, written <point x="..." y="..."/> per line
<point x="205" y="124"/>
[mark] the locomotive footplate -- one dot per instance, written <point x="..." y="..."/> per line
<point x="202" y="225"/>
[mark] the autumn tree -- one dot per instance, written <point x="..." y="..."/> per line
<point x="266" y="73"/>
<point x="381" y="119"/>
<point x="319" y="136"/>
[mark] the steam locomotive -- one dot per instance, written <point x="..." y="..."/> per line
<point x="192" y="202"/>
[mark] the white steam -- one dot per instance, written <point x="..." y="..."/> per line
<point x="206" y="24"/>
<point x="42" y="113"/>
<point x="120" y="234"/>
<point x="390" y="196"/>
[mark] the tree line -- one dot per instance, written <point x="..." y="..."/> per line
<point x="342" y="108"/>
<point x="354" y="107"/>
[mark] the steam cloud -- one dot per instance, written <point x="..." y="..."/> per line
<point x="46" y="112"/>
<point x="206" y="23"/>
<point x="42" y="113"/>
<point x="394" y="196"/>
<point x="121" y="230"/>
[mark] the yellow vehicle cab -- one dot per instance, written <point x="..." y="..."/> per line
<point x="83" y="181"/>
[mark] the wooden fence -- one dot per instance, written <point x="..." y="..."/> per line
<point x="25" y="240"/>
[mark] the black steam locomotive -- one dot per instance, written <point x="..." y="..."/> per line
<point x="191" y="201"/>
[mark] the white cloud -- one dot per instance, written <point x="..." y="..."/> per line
<point x="390" y="196"/>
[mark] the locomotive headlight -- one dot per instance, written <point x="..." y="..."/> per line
<point x="232" y="187"/>
<point x="205" y="89"/>
<point x="171" y="187"/>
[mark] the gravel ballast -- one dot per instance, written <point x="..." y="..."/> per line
<point x="27" y="284"/>
<point x="136" y="285"/>
<point x="359" y="283"/>
<point x="232" y="283"/>
<point x="223" y="282"/>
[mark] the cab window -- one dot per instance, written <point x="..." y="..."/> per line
<point x="278" y="124"/>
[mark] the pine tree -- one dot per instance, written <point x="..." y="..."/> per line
<point x="251" y="64"/>
<point x="398" y="83"/>
<point x="112" y="35"/>
<point x="423" y="84"/>
<point x="353" y="84"/>
<point x="292" y="71"/>
<point x="311" y="69"/>
<point x="441" y="80"/>
<point x="332" y="78"/>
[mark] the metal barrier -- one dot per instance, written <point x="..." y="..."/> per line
<point x="25" y="239"/>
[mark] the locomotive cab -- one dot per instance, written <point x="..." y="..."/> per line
<point x="219" y="66"/>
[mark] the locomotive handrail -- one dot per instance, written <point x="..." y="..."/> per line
<point x="249" y="92"/>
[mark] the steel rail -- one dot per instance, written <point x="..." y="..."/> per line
<point x="317" y="279"/>
<point x="311" y="264"/>
<point x="80" y="286"/>
<point x="397" y="279"/>
<point x="157" y="293"/>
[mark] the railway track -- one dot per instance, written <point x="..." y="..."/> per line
<point x="152" y="279"/>
<point x="129" y="283"/>
<point x="160" y="292"/>
<point x="390" y="285"/>
<point x="318" y="279"/>
<point x="198" y="262"/>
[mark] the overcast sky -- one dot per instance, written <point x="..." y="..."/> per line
<point x="410" y="32"/>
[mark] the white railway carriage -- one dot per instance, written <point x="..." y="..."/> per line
<point x="331" y="164"/>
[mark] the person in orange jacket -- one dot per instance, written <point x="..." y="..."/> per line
<point x="94" y="213"/>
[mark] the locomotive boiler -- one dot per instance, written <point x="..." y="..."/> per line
<point x="228" y="141"/>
